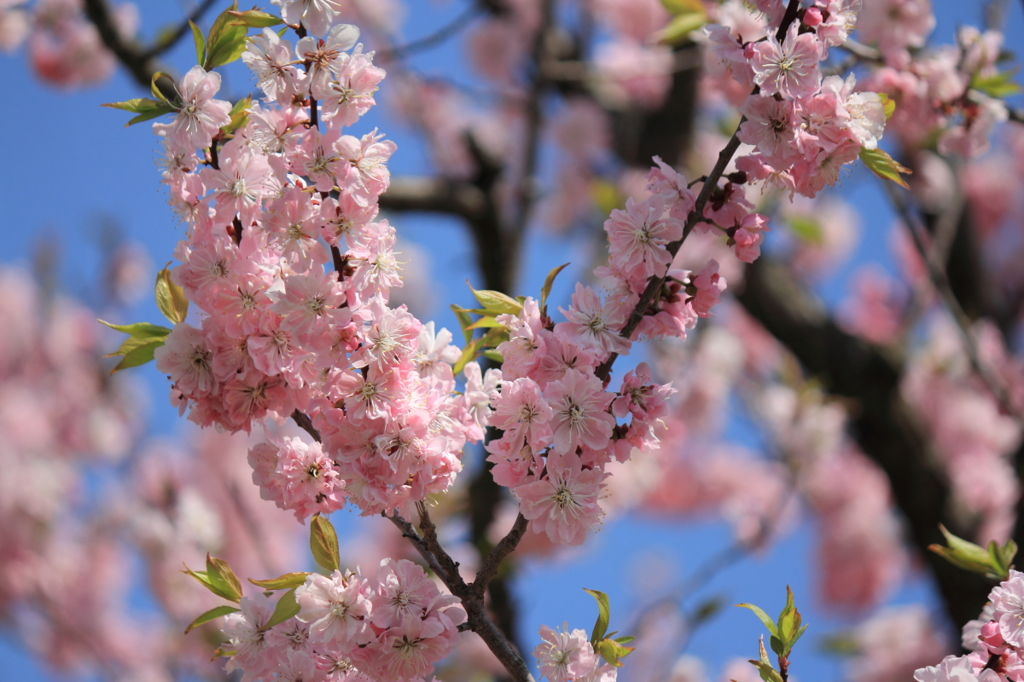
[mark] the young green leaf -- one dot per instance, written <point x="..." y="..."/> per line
<point x="462" y="315"/>
<point x="763" y="617"/>
<point x="170" y="298"/>
<point x="764" y="666"/>
<point x="285" y="609"/>
<point x="222" y="576"/>
<point x="204" y="578"/>
<point x="145" y="108"/>
<point x="495" y="302"/>
<point x="1000" y="86"/>
<point x="323" y="541"/>
<point x="604" y="614"/>
<point x="545" y="290"/>
<point x="139" y="329"/>
<point x="215" y="612"/>
<point x="137" y="356"/>
<point x="199" y="40"/>
<point x="612" y="651"/>
<point x="888" y="104"/>
<point x="884" y="166"/>
<point x="679" y="29"/>
<point x="284" y="582"/>
<point x="468" y="353"/>
<point x="254" y="18"/>
<point x="226" y="41"/>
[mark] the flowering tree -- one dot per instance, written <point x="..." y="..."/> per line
<point x="897" y="415"/>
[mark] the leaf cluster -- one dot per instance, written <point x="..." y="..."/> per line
<point x="612" y="649"/>
<point x="993" y="562"/>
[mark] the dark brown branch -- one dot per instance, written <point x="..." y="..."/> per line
<point x="882" y="424"/>
<point x="477" y="619"/>
<point x="135" y="60"/>
<point x="505" y="547"/>
<point x="306" y="424"/>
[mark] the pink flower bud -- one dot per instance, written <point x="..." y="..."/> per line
<point x="812" y="17"/>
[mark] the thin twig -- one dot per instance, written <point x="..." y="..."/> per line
<point x="306" y="424"/>
<point x="449" y="30"/>
<point x="131" y="56"/>
<point x="939" y="279"/>
<point x="172" y="40"/>
<point x="504" y="547"/>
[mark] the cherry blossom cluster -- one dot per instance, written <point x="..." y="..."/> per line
<point x="804" y="127"/>
<point x="995" y="640"/>
<point x="269" y="202"/>
<point x="391" y="626"/>
<point x="64" y="47"/>
<point x="560" y="424"/>
<point x="936" y="91"/>
<point x="565" y="656"/>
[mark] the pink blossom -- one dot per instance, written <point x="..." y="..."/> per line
<point x="789" y="68"/>
<point x="200" y="116"/>
<point x="563" y="504"/>
<point x="337" y="608"/>
<point x="565" y="656"/>
<point x="580" y="414"/>
<point x="592" y="325"/>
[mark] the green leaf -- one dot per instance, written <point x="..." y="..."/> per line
<point x="806" y="229"/>
<point x="545" y="290"/>
<point x="226" y="41"/>
<point x="1000" y="86"/>
<point x="210" y="584"/>
<point x="606" y="196"/>
<point x="254" y="18"/>
<point x="170" y="298"/>
<point x="323" y="540"/>
<point x="468" y="353"/>
<point x="486" y="323"/>
<point x="604" y="614"/>
<point x="285" y="609"/>
<point x="221" y="575"/>
<point x="284" y="582"/>
<point x="137" y="356"/>
<point x="138" y="349"/>
<point x="216" y="612"/>
<point x="239" y="115"/>
<point x="611" y="651"/>
<point x="884" y="166"/>
<point x="993" y="562"/>
<point x="464" y="321"/>
<point x="139" y="329"/>
<point x="763" y="617"/>
<point x="145" y="108"/>
<point x="199" y="40"/>
<point x="495" y="302"/>
<point x="677" y="7"/>
<point x="764" y="667"/>
<point x="494" y="337"/>
<point x="154" y="89"/>
<point x="493" y="355"/>
<point x="679" y="29"/>
<point x="888" y="103"/>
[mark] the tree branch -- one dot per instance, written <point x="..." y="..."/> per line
<point x="171" y="40"/>
<point x="882" y="424"/>
<point x="135" y="60"/>
<point x="449" y="30"/>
